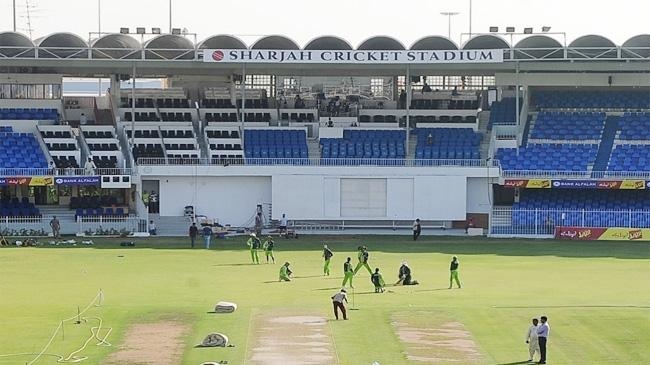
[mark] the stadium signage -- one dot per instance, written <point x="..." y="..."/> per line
<point x="78" y="180"/>
<point x="351" y="56"/>
<point x="602" y="233"/>
<point x="577" y="184"/>
<point x="28" y="181"/>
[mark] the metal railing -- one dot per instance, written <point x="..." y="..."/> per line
<point x="381" y="162"/>
<point x="551" y="174"/>
<point x="551" y="54"/>
<point x="63" y="171"/>
<point x="112" y="226"/>
<point x="542" y="222"/>
<point x="91" y="226"/>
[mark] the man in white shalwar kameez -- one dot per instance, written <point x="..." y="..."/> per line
<point x="531" y="340"/>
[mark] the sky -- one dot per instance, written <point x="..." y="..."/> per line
<point x="353" y="20"/>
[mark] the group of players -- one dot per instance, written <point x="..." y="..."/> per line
<point x="404" y="273"/>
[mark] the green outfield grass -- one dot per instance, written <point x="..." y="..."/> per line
<point x="596" y="295"/>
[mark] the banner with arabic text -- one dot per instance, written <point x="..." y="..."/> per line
<point x="29" y="181"/>
<point x="602" y="234"/>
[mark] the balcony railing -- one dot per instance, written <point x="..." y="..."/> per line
<point x="338" y="162"/>
<point x="583" y="175"/>
<point x="12" y="172"/>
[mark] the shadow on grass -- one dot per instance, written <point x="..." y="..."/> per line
<point x="449" y="245"/>
<point x="333" y="288"/>
<point x="308" y="276"/>
<point x="430" y="290"/>
<point x="517" y="363"/>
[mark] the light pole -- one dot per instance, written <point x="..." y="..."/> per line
<point x="470" y="18"/>
<point x="170" y="16"/>
<point x="99" y="18"/>
<point x="449" y="14"/>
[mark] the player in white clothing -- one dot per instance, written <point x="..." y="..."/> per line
<point x="531" y="340"/>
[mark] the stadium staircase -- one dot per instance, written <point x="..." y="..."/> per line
<point x="483" y="122"/>
<point x="313" y="148"/>
<point x="530" y="122"/>
<point x="413" y="142"/>
<point x="104" y="117"/>
<point x="606" y="143"/>
<point x="200" y="139"/>
<point x="64" y="214"/>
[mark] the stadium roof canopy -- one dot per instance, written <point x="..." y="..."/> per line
<point x="381" y="43"/>
<point x="434" y="42"/>
<point x="222" y="41"/>
<point x="328" y="43"/>
<point x="538" y="47"/>
<point x="169" y="47"/>
<point x="275" y="42"/>
<point x="592" y="46"/>
<point x="170" y="54"/>
<point x="15" y="44"/>
<point x="62" y="45"/>
<point x="638" y="46"/>
<point x="116" y="46"/>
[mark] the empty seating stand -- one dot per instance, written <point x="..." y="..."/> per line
<point x="598" y="99"/>
<point x="15" y="208"/>
<point x="632" y="147"/>
<point x="568" y="126"/>
<point x="28" y="114"/>
<point x="364" y="147"/>
<point x="593" y="208"/>
<point x="225" y="146"/>
<point x="503" y="112"/>
<point x="20" y="150"/>
<point x="549" y="157"/>
<point x="62" y="145"/>
<point x="275" y="146"/>
<point x="447" y="144"/>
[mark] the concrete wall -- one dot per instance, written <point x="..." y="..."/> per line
<point x="230" y="199"/>
<point x="317" y="193"/>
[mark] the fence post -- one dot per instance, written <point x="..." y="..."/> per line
<point x="583" y="217"/>
<point x="629" y="218"/>
<point x="536" y="220"/>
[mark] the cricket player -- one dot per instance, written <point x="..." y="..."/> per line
<point x="453" y="272"/>
<point x="254" y="244"/>
<point x="404" y="275"/>
<point x="348" y="272"/>
<point x="268" y="249"/>
<point x="363" y="260"/>
<point x="531" y="340"/>
<point x="337" y="301"/>
<point x="327" y="255"/>
<point x="285" y="272"/>
<point x="378" y="281"/>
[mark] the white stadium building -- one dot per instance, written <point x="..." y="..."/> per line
<point x="521" y="134"/>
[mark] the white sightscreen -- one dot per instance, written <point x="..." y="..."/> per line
<point x="363" y="198"/>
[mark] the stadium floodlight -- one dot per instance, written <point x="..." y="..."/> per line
<point x="449" y="14"/>
<point x="546" y="28"/>
<point x="140" y="30"/>
<point x="176" y="31"/>
<point x="494" y="29"/>
<point x="155" y="30"/>
<point x="510" y="29"/>
<point x="528" y="30"/>
<point x="124" y="30"/>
